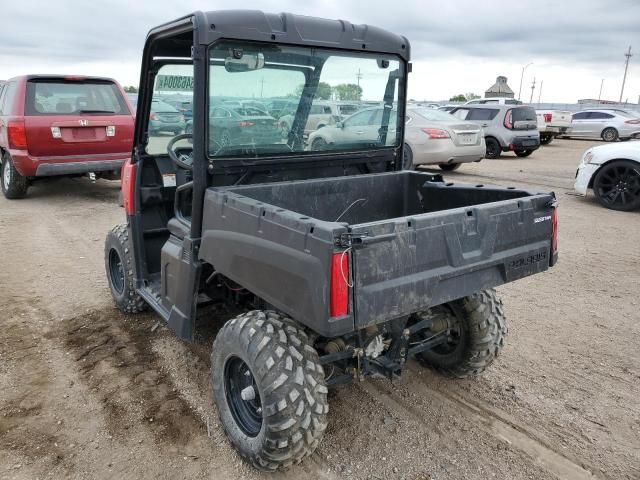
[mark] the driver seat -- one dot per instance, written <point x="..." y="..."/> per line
<point x="177" y="228"/>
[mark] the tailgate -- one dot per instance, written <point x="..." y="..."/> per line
<point x="560" y="118"/>
<point x="408" y="264"/>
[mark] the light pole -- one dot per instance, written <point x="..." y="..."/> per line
<point x="600" y="94"/>
<point x="521" y="77"/>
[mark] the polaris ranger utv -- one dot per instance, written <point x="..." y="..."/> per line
<point x="346" y="265"/>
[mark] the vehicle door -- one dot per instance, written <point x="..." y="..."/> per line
<point x="579" y="124"/>
<point x="357" y="129"/>
<point x="596" y="123"/>
<point x="220" y="122"/>
<point x="376" y="123"/>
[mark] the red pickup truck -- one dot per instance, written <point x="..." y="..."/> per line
<point x="61" y="125"/>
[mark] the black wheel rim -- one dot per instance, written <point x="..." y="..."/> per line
<point x="246" y="413"/>
<point x="619" y="185"/>
<point x="116" y="271"/>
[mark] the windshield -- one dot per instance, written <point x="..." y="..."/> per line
<point x="434" y="115"/>
<point x="271" y="90"/>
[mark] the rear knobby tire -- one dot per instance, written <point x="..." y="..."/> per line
<point x="119" y="265"/>
<point x="14" y="185"/>
<point x="482" y="328"/>
<point x="291" y="391"/>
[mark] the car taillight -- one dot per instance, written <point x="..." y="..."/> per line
<point x="339" y="289"/>
<point x="548" y="117"/>
<point x="554" y="236"/>
<point x="508" y="123"/>
<point x="633" y="122"/>
<point x="153" y="116"/>
<point x="243" y="124"/>
<point x="436" y="133"/>
<point x="17" y="135"/>
<point x="128" y="182"/>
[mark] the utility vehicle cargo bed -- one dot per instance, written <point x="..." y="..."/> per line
<point x="413" y="242"/>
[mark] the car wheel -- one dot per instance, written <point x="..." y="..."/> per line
<point x="14" y="185"/>
<point x="118" y="261"/>
<point x="523" y="153"/>
<point x="269" y="389"/>
<point x="476" y="329"/>
<point x="609" y="134"/>
<point x="617" y="185"/>
<point x="407" y="157"/>
<point x="319" y="144"/>
<point x="493" y="148"/>
<point x="449" y="167"/>
<point x="546" y="139"/>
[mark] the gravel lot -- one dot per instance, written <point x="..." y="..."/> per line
<point x="89" y="393"/>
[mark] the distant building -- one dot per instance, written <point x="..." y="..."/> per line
<point x="499" y="89"/>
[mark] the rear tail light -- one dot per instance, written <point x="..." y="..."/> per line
<point x="245" y="124"/>
<point x="554" y="236"/>
<point x="548" y="117"/>
<point x="153" y="116"/>
<point x="436" y="133"/>
<point x="128" y="187"/>
<point x="633" y="122"/>
<point x="508" y="122"/>
<point x="339" y="290"/>
<point x="17" y="135"/>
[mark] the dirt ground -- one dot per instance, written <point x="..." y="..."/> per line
<point x="88" y="393"/>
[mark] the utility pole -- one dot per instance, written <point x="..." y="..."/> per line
<point x="358" y="76"/>
<point x="533" y="87"/>
<point x="540" y="91"/>
<point x="600" y="94"/>
<point x="626" y="67"/>
<point x="521" y="77"/>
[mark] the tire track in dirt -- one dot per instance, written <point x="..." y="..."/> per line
<point x="490" y="420"/>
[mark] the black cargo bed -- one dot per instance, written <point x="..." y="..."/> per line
<point x="414" y="241"/>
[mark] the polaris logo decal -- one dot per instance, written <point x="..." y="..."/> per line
<point x="542" y="219"/>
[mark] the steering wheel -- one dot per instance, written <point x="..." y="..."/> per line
<point x="183" y="161"/>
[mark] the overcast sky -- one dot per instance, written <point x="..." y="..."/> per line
<point x="457" y="46"/>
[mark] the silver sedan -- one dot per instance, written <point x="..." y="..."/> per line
<point x="433" y="137"/>
<point x="610" y="125"/>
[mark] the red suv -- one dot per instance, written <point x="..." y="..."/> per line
<point x="61" y="125"/>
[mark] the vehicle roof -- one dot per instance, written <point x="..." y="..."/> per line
<point x="284" y="28"/>
<point x="495" y="106"/>
<point x="56" y="76"/>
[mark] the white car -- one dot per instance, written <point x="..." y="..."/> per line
<point x="613" y="172"/>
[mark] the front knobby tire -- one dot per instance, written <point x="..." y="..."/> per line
<point x="119" y="264"/>
<point x="269" y="388"/>
<point x="477" y="330"/>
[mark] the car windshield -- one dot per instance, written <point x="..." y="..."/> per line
<point x="434" y="115"/>
<point x="288" y="80"/>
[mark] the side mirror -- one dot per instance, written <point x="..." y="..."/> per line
<point x="240" y="62"/>
<point x="340" y="124"/>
